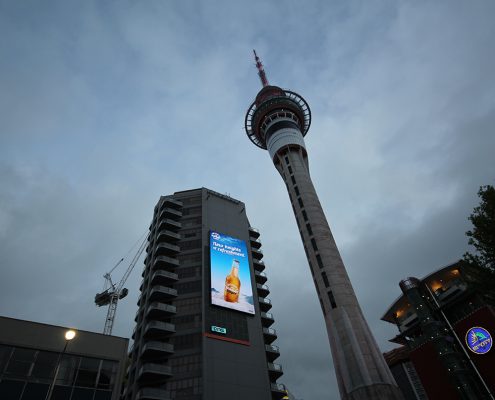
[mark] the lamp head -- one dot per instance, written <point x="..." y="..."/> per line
<point x="70" y="334"/>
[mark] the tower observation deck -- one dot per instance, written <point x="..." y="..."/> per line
<point x="277" y="121"/>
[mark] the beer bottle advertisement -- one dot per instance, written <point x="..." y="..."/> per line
<point x="230" y="274"/>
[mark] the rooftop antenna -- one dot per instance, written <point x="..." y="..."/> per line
<point x="261" y="70"/>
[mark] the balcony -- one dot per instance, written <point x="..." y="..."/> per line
<point x="253" y="232"/>
<point x="137" y="315"/>
<point x="269" y="335"/>
<point x="167" y="236"/>
<point x="275" y="371"/>
<point x="154" y="373"/>
<point x="164" y="262"/>
<point x="258" y="265"/>
<point x="265" y="304"/>
<point x="156" y="349"/>
<point x="260" y="277"/>
<point x="408" y="321"/>
<point x="279" y="391"/>
<point x="158" y="329"/>
<point x="165" y="293"/>
<point x="172" y="203"/>
<point x="255" y="243"/>
<point x="267" y="319"/>
<point x="170" y="213"/>
<point x="169" y="224"/>
<point x="263" y="290"/>
<point x="153" y="394"/>
<point x="166" y="249"/>
<point x="160" y="310"/>
<point x="163" y="277"/>
<point x="257" y="253"/>
<point x="452" y="290"/>
<point x="272" y="352"/>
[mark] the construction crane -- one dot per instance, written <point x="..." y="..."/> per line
<point x="113" y="292"/>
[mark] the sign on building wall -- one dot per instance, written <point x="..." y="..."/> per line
<point x="478" y="340"/>
<point x="230" y="273"/>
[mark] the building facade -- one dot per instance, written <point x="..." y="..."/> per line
<point x="203" y="332"/>
<point x="277" y="121"/>
<point x="436" y="317"/>
<point x="91" y="368"/>
<point x="405" y="374"/>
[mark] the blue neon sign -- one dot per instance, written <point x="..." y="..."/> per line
<point x="478" y="340"/>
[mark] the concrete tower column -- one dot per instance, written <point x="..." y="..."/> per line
<point x="277" y="121"/>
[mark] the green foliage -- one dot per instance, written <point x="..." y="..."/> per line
<point x="479" y="267"/>
<point x="482" y="236"/>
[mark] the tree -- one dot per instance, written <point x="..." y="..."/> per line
<point x="479" y="267"/>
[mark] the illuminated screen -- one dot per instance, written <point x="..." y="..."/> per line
<point x="230" y="276"/>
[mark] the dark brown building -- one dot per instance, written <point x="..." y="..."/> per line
<point x="435" y="317"/>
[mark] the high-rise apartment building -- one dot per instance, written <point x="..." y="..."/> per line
<point x="203" y="327"/>
<point x="277" y="121"/>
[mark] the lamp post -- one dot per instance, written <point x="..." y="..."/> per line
<point x="69" y="335"/>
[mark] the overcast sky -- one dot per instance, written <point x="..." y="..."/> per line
<point x="105" y="106"/>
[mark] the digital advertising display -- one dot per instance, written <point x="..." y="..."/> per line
<point x="230" y="274"/>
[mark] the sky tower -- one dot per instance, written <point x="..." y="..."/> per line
<point x="277" y="121"/>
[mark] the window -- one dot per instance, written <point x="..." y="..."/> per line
<point x="293" y="180"/>
<point x="11" y="389"/>
<point x="190" y="244"/>
<point x="186" y="341"/>
<point x="332" y="299"/>
<point x="106" y="379"/>
<point x="44" y="366"/>
<point x="286" y="160"/>
<point x="188" y="287"/>
<point x="21" y="361"/>
<point x="35" y="391"/>
<point x="310" y="231"/>
<point x="188" y="306"/>
<point x="319" y="261"/>
<point x="188" y="234"/>
<point x="87" y="374"/>
<point x="103" y="395"/>
<point x="313" y="243"/>
<point x="299" y="200"/>
<point x="188" y="272"/>
<point x="5" y="352"/>
<point x="82" y="394"/>
<point x="290" y="169"/>
<point x="67" y="370"/>
<point x="325" y="279"/>
<point x="297" y="190"/>
<point x="305" y="216"/>
<point x="191" y="210"/>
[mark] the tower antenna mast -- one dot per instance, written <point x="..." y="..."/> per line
<point x="261" y="70"/>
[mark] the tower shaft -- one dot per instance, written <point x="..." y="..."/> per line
<point x="360" y="368"/>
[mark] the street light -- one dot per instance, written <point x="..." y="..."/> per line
<point x="69" y="335"/>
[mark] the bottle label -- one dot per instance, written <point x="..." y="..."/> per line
<point x="231" y="288"/>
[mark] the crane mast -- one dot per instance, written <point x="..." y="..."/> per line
<point x="112" y="292"/>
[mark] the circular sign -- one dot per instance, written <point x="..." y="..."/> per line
<point x="478" y="340"/>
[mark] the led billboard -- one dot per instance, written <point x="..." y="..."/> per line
<point x="230" y="275"/>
